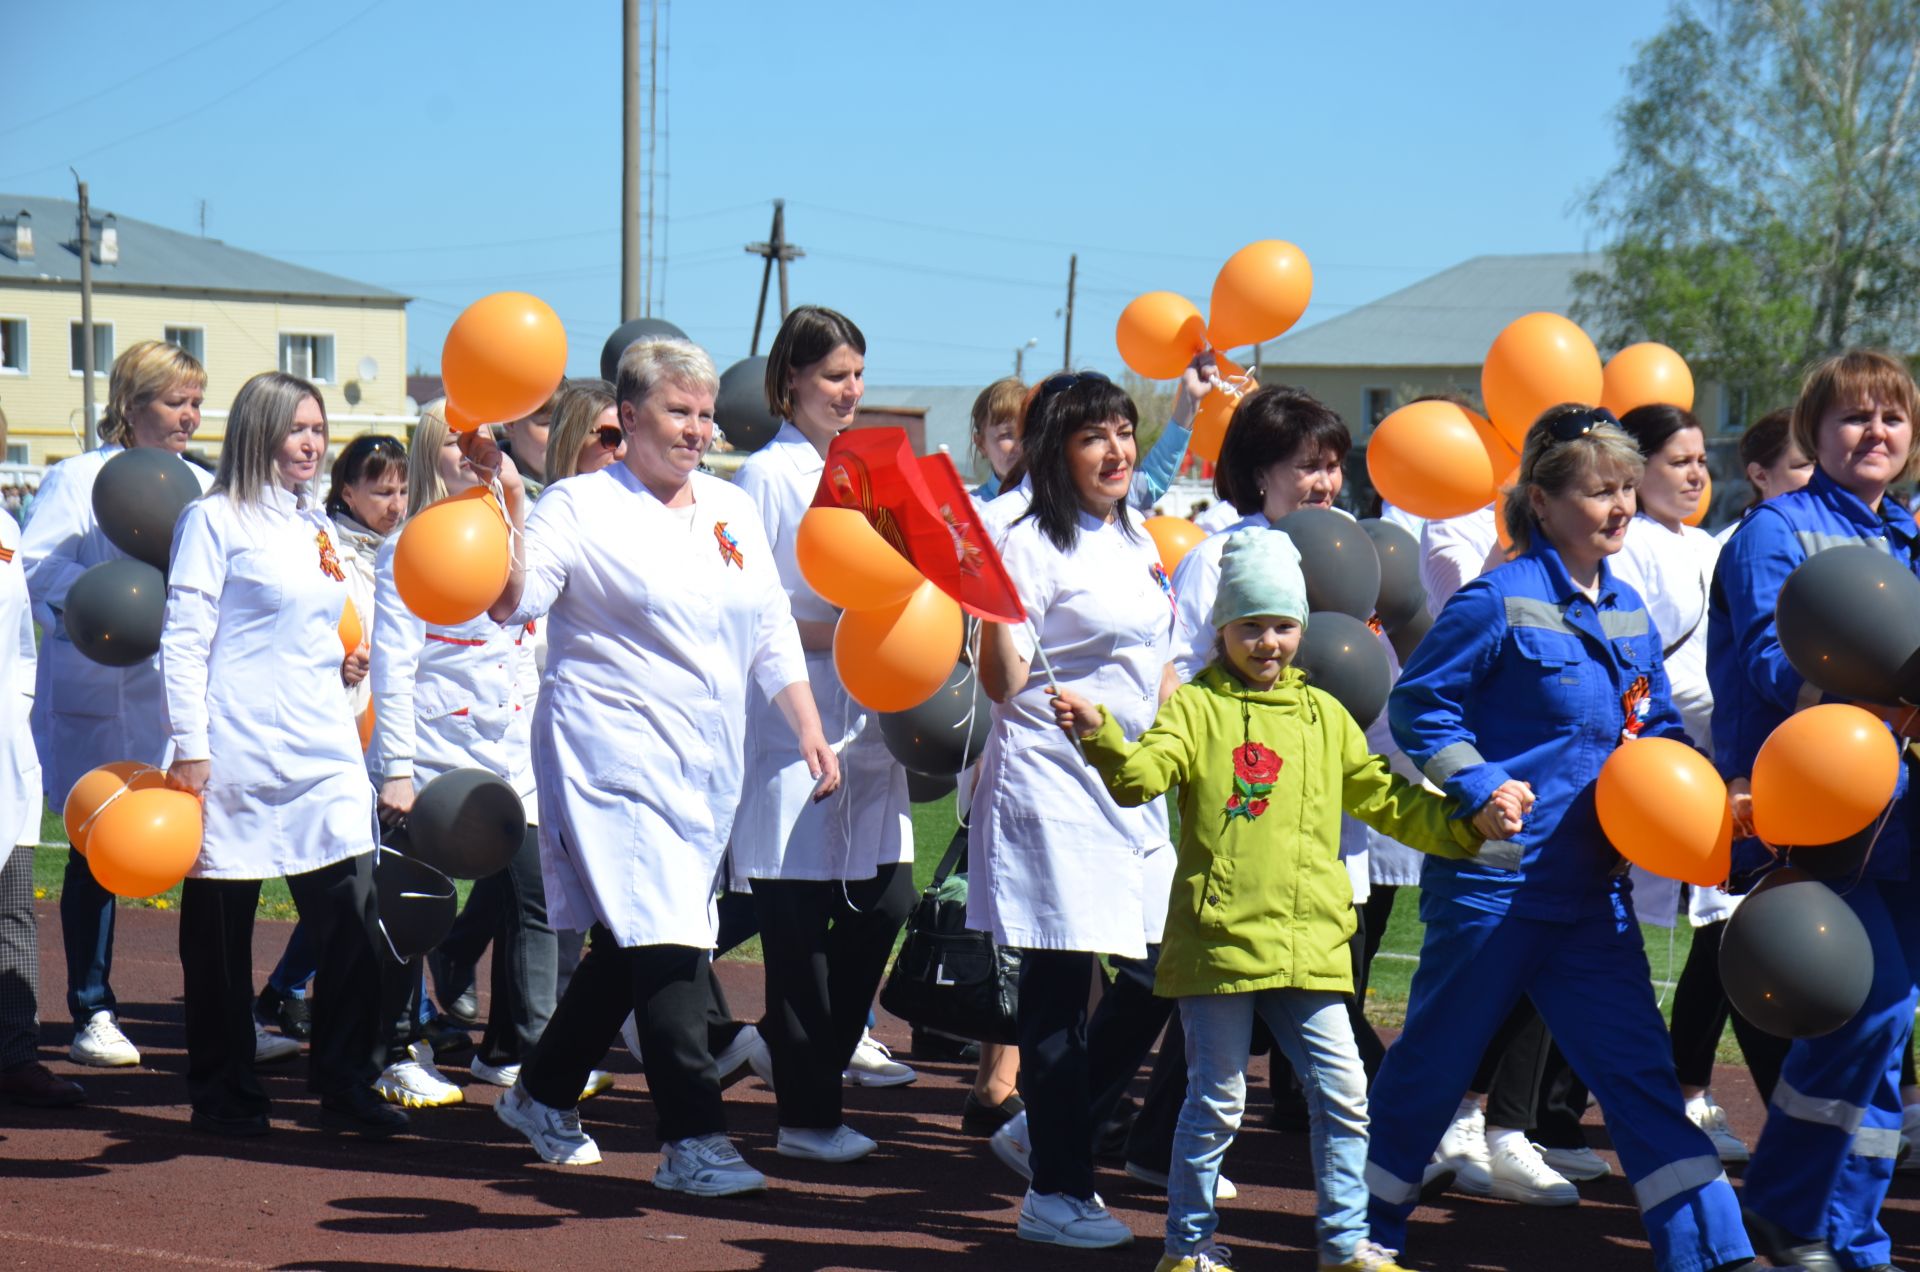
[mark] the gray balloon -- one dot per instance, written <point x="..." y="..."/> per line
<point x="1337" y="556"/>
<point x="628" y="334"/>
<point x="414" y="904"/>
<point x="945" y="733"/>
<point x="114" y="612"/>
<point x="1848" y="620"/>
<point x="1341" y="655"/>
<point x="467" y="823"/>
<point x="922" y="789"/>
<point x="1402" y="595"/>
<point x="1407" y="637"/>
<point x="137" y="498"/>
<point x="1794" y="959"/>
<point x="741" y="409"/>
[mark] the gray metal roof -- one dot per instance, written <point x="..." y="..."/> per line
<point x="154" y="256"/>
<point x="1447" y="320"/>
<point x="949" y="414"/>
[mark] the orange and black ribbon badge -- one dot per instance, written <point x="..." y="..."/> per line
<point x="1637" y="702"/>
<point x="6" y="555"/>
<point x="729" y="546"/>
<point x="329" y="560"/>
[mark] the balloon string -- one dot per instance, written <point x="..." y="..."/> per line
<point x="1053" y="681"/>
<point x="86" y="826"/>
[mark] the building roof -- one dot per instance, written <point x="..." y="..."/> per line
<point x="154" y="256"/>
<point x="1448" y="320"/>
<point x="949" y="413"/>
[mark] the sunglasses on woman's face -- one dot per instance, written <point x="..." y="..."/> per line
<point x="609" y="437"/>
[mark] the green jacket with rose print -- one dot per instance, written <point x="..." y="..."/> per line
<point x="1261" y="899"/>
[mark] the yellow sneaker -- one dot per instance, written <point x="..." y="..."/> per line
<point x="1209" y="1258"/>
<point x="1368" y="1258"/>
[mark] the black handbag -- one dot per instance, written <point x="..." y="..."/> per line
<point x="948" y="977"/>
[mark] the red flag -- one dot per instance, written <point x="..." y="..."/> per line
<point x="920" y="506"/>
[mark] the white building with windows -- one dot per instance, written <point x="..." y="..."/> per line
<point x="240" y="313"/>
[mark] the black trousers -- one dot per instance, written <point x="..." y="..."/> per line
<point x="216" y="963"/>
<point x="1701" y="1013"/>
<point x="1074" y="1069"/>
<point x="508" y="909"/>
<point x="826" y="945"/>
<point x="665" y="987"/>
<point x="1513" y="1069"/>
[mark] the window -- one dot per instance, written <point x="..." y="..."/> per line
<point x="13" y="346"/>
<point x="1734" y="408"/>
<point x="102" y="349"/>
<point x="308" y="356"/>
<point x="17" y="453"/>
<point x="192" y="339"/>
<point x="1375" y="405"/>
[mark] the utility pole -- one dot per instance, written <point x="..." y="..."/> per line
<point x="630" y="297"/>
<point x="1020" y="358"/>
<point x="88" y="440"/>
<point x="1073" y="274"/>
<point x="775" y="249"/>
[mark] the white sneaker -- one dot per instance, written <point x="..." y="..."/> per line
<point x="1057" y="1219"/>
<point x="554" y="1133"/>
<point x="873" y="1065"/>
<point x="841" y="1144"/>
<point x="270" y="1047"/>
<point x="1223" y="1189"/>
<point x="1576" y="1163"/>
<point x="414" y="1083"/>
<point x="748" y="1051"/>
<point x="1520" y="1175"/>
<point x="1463" y="1149"/>
<point x="706" y="1166"/>
<point x="100" y="1043"/>
<point x="501" y="1075"/>
<point x="1011" y="1145"/>
<point x="1704" y="1113"/>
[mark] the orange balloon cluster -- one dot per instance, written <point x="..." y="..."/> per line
<point x="451" y="561"/>
<point x="1537" y="361"/>
<point x="95" y="788"/>
<point x="1646" y="374"/>
<point x="899" y="635"/>
<point x="1159" y="333"/>
<point x="1174" y="537"/>
<point x="1437" y="459"/>
<point x="144" y="842"/>
<point x="504" y="356"/>
<point x="1824" y="774"/>
<point x="1216" y="409"/>
<point x="1664" y="807"/>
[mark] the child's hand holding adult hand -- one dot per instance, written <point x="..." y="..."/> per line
<point x="1080" y="718"/>
<point x="1497" y="819"/>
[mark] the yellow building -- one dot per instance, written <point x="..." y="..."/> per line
<point x="239" y="312"/>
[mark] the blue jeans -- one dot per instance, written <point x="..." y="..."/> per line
<point x="297" y="962"/>
<point x="86" y="929"/>
<point x="1313" y="1030"/>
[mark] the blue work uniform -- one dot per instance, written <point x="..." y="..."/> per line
<point x="1827" y="1154"/>
<point x="1524" y="676"/>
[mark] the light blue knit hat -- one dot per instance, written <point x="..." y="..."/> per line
<point x="1260" y="574"/>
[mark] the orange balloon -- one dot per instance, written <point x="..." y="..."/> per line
<point x="1174" y="537"/>
<point x="458" y="421"/>
<point x="351" y="632"/>
<point x="1216" y="412"/>
<point x="1260" y="292"/>
<point x="1537" y="361"/>
<point x="1823" y="774"/>
<point x="1646" y="374"/>
<point x="846" y="560"/>
<point x="1705" y="505"/>
<point x="1159" y="333"/>
<point x="1429" y="458"/>
<point x="1664" y="807"/>
<point x="897" y="657"/>
<point x="503" y="358"/>
<point x="365" y="723"/>
<point x="451" y="561"/>
<point x="145" y="842"/>
<point x="1505" y="459"/>
<point x="95" y="788"/>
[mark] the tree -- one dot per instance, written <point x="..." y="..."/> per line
<point x="1765" y="209"/>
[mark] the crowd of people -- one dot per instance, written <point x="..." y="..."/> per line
<point x="656" y="682"/>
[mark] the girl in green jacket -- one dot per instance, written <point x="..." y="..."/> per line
<point x="1262" y="908"/>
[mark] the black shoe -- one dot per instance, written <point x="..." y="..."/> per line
<point x="446" y="1035"/>
<point x="291" y="1016"/>
<point x="453" y="986"/>
<point x="358" y="1111"/>
<point x="981" y="1118"/>
<point x="241" y="1126"/>
<point x="1784" y="1249"/>
<point x="38" y="1087"/>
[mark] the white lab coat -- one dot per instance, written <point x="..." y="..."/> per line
<point x="780" y="832"/>
<point x="85" y="714"/>
<point x="20" y="764"/>
<point x="1055" y="863"/>
<point x="446" y="698"/>
<point x="250" y="657"/>
<point x="656" y="637"/>
<point x="1453" y="552"/>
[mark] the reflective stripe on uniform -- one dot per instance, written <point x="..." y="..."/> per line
<point x="1531" y="611"/>
<point x="1877" y="1141"/>
<point x="1812" y="541"/>
<point x="1449" y="760"/>
<point x="1810" y="1108"/>
<point x="1501" y="854"/>
<point x="1390" y="1188"/>
<point x="1675" y="1178"/>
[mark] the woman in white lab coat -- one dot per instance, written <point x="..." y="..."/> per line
<point x="250" y="658"/>
<point x="665" y="617"/>
<point x="1055" y="867"/>
<point x="447" y="698"/>
<point x="832" y="880"/>
<point x="87" y="714"/>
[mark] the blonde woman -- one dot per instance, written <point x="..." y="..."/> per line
<point x="259" y="730"/>
<point x="586" y="435"/>
<point x="86" y="714"/>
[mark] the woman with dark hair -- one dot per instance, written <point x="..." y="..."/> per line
<point x="1820" y="1171"/>
<point x="1531" y="676"/>
<point x="1773" y="462"/>
<point x="1057" y="868"/>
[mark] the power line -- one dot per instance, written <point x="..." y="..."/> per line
<point x="517" y="242"/>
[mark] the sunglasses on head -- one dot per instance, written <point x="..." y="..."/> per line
<point x="1064" y="380"/>
<point x="1569" y="427"/>
<point x="609" y="437"/>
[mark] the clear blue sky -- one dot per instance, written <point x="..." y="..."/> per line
<point x="939" y="162"/>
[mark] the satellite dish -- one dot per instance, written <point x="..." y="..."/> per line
<point x="369" y="369"/>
